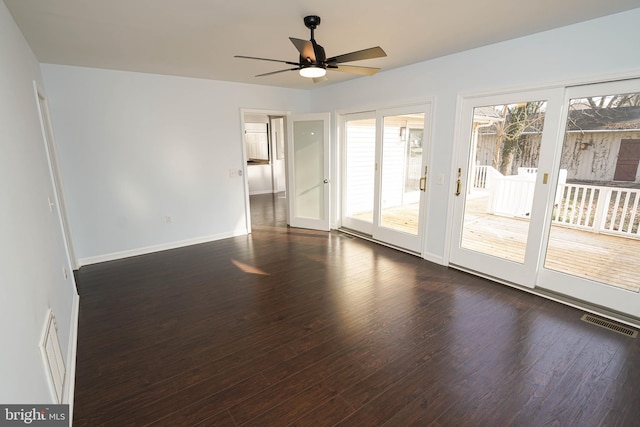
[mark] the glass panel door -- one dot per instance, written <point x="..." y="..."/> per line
<point x="499" y="208"/>
<point x="402" y="154"/>
<point x="384" y="181"/>
<point x="308" y="164"/>
<point x="593" y="245"/>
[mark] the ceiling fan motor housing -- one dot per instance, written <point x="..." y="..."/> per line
<point x="311" y="21"/>
<point x="319" y="60"/>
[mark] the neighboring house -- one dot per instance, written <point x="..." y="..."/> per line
<point x="601" y="145"/>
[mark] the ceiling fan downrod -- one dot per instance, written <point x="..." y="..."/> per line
<point x="312" y="22"/>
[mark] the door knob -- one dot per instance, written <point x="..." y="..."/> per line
<point x="326" y="181"/>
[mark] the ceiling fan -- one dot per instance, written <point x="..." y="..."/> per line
<point x="313" y="62"/>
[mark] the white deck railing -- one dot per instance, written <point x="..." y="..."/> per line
<point x="599" y="209"/>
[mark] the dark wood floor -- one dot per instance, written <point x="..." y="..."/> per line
<point x="304" y="328"/>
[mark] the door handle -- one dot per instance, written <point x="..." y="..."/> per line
<point x="459" y="182"/>
<point x="326" y="181"/>
<point x="423" y="181"/>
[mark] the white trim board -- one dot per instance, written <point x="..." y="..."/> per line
<point x="69" y="391"/>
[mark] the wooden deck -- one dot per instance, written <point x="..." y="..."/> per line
<point x="401" y="218"/>
<point x="601" y="257"/>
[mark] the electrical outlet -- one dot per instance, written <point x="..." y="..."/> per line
<point x="233" y="173"/>
<point x="65" y="273"/>
<point x="168" y="219"/>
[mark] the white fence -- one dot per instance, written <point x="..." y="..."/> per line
<point x="598" y="209"/>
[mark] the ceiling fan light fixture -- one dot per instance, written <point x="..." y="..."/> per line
<point x="313" y="72"/>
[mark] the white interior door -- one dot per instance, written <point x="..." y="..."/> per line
<point x="505" y="152"/>
<point x="47" y="133"/>
<point x="308" y="171"/>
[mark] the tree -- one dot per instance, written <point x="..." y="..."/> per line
<point x="613" y="101"/>
<point x="517" y="119"/>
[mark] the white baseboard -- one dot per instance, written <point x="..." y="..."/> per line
<point x="69" y="388"/>
<point x="157" y="248"/>
<point x="255" y="193"/>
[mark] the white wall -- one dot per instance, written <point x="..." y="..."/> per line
<point x="579" y="52"/>
<point x="135" y="148"/>
<point x="32" y="253"/>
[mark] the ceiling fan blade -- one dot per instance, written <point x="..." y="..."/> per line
<point x="320" y="79"/>
<point x="372" y="52"/>
<point x="363" y="71"/>
<point x="305" y="47"/>
<point x="267" y="59"/>
<point x="276" y="72"/>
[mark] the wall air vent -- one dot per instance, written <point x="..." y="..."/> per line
<point x="52" y="357"/>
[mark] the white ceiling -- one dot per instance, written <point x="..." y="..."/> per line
<point x="198" y="38"/>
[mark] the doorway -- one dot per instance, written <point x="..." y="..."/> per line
<point x="58" y="193"/>
<point x="263" y="147"/>
<point x="628" y="160"/>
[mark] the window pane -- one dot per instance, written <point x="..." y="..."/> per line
<point x="360" y="168"/>
<point x="401" y="172"/>
<point x="503" y="165"/>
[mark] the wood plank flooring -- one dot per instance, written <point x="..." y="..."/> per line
<point x="292" y="327"/>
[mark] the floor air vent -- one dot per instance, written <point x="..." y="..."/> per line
<point x="607" y="324"/>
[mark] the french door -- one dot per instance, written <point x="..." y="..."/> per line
<point x="308" y="171"/>
<point x="538" y="199"/>
<point x="592" y="245"/>
<point x="501" y="190"/>
<point x="383" y="174"/>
